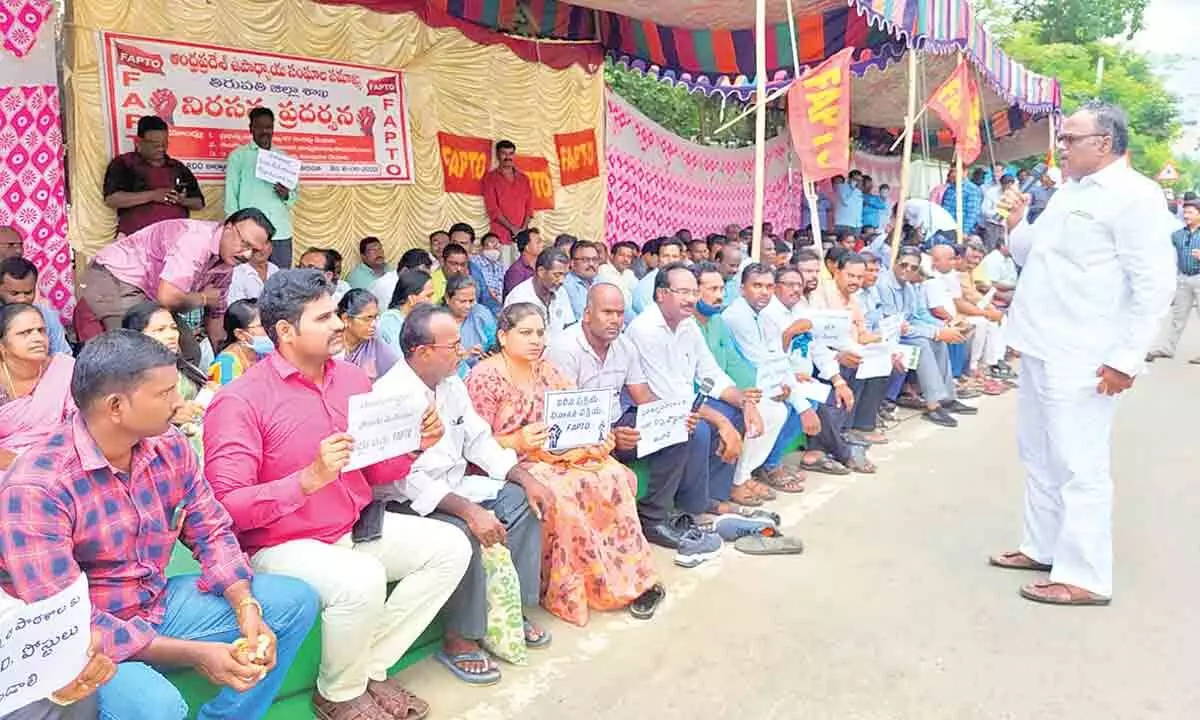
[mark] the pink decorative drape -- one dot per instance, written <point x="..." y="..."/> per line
<point x="659" y="183"/>
<point x="20" y="21"/>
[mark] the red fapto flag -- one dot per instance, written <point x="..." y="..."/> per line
<point x="819" y="118"/>
<point x="957" y="103"/>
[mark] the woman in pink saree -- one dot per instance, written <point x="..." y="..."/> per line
<point x="35" y="386"/>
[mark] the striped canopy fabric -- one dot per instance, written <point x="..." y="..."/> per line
<point x="709" y="47"/>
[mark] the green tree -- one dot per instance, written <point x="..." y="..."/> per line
<point x="1082" y="21"/>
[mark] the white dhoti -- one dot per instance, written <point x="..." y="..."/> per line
<point x="987" y="343"/>
<point x="1064" y="429"/>
<point x="755" y="450"/>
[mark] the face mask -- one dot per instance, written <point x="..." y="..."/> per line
<point x="262" y="345"/>
<point x="492" y="254"/>
<point x="707" y="310"/>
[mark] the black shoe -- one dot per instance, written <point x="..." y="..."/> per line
<point x="669" y="532"/>
<point x="959" y="408"/>
<point x="940" y="417"/>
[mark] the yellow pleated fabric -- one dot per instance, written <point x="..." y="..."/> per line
<point x="453" y="85"/>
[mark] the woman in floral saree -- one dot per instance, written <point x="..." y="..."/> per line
<point x="594" y="556"/>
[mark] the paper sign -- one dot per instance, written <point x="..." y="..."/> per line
<point x="910" y="355"/>
<point x="662" y="423"/>
<point x="576" y="418"/>
<point x="773" y="374"/>
<point x="814" y="390"/>
<point x="278" y="168"/>
<point x="384" y="426"/>
<point x="43" y="645"/>
<point x="889" y="329"/>
<point x="831" y="327"/>
<point x="876" y="361"/>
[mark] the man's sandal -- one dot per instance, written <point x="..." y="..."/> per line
<point x="1017" y="560"/>
<point x="1052" y="593"/>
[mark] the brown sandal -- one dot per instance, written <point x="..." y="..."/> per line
<point x="1017" y="560"/>
<point x="743" y="495"/>
<point x="760" y="490"/>
<point x="784" y="481"/>
<point x="396" y="701"/>
<point x="1052" y="593"/>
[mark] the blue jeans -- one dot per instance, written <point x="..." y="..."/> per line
<point x="713" y="477"/>
<point x="140" y="692"/>
<point x="959" y="356"/>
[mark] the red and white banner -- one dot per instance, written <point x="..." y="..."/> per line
<point x="819" y="118"/>
<point x="346" y="123"/>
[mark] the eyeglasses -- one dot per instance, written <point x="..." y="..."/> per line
<point x="684" y="292"/>
<point x="1071" y="138"/>
<point x="365" y="318"/>
<point x="906" y="266"/>
<point x="456" y="346"/>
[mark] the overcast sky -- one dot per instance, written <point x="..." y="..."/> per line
<point x="1172" y="28"/>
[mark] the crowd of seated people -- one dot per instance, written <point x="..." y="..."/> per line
<point x="241" y="455"/>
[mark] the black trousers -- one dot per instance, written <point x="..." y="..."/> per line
<point x="669" y="485"/>
<point x="868" y="398"/>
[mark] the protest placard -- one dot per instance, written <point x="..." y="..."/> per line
<point x="773" y="374"/>
<point x="831" y="327"/>
<point x="876" y="361"/>
<point x="576" y="418"/>
<point x="814" y="390"/>
<point x="43" y="645"/>
<point x="384" y="426"/>
<point x="661" y="424"/>
<point x="278" y="168"/>
<point x="889" y="329"/>
<point x="910" y="355"/>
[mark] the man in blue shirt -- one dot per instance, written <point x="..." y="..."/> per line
<point x="972" y="200"/>
<point x="900" y="293"/>
<point x="848" y="203"/>
<point x="585" y="264"/>
<point x="875" y="205"/>
<point x="1186" y="241"/>
<point x="18" y="284"/>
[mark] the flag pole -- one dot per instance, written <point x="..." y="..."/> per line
<point x="958" y="181"/>
<point x="910" y="126"/>
<point x="807" y="185"/>
<point x="760" y="125"/>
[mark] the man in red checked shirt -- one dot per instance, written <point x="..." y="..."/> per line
<point x="107" y="494"/>
<point x="508" y="197"/>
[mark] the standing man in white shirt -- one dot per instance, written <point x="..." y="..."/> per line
<point x="1097" y="279"/>
<point x="504" y="506"/>
<point x="545" y="290"/>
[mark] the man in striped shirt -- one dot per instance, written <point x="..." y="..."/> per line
<point x="1186" y="241"/>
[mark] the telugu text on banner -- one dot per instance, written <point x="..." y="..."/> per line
<point x="819" y="118"/>
<point x="346" y="123"/>
<point x="956" y="102"/>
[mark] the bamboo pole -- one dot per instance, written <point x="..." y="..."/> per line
<point x="958" y="192"/>
<point x="760" y="125"/>
<point x="906" y="163"/>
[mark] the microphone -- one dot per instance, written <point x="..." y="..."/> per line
<point x="706" y="386"/>
<point x="1035" y="176"/>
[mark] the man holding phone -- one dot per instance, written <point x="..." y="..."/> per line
<point x="147" y="185"/>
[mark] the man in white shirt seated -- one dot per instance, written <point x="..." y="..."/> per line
<point x="246" y="282"/>
<point x="619" y="270"/>
<point x="1000" y="270"/>
<point x="676" y="361"/>
<point x="987" y="342"/>
<point x="670" y="250"/>
<point x="943" y="290"/>
<point x="505" y="506"/>
<point x="320" y="259"/>
<point x="594" y="354"/>
<point x="545" y="290"/>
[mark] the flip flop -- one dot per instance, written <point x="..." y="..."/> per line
<point x="1075" y="595"/>
<point x="826" y="465"/>
<point x="541" y="642"/>
<point x="1017" y="560"/>
<point x="644" y="606"/>
<point x="863" y="467"/>
<point x="768" y="545"/>
<point x="488" y="677"/>
<point x="744" y="496"/>
<point x="783" y="481"/>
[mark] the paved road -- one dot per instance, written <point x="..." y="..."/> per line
<point x="892" y="613"/>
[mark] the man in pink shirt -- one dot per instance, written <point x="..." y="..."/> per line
<point x="507" y="196"/>
<point x="179" y="264"/>
<point x="276" y="449"/>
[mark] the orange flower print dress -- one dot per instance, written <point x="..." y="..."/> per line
<point x="594" y="556"/>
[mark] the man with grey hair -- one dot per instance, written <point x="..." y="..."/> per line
<point x="502" y="505"/>
<point x="1097" y="281"/>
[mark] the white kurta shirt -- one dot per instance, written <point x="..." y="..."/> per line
<point x="384" y="287"/>
<point x="558" y="316"/>
<point x="675" y="362"/>
<point x="571" y="353"/>
<point x="1098" y="272"/>
<point x="779" y="318"/>
<point x="245" y="284"/>
<point x="442" y="469"/>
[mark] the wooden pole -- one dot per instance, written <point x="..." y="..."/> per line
<point x="905" y="164"/>
<point x="760" y="125"/>
<point x="810" y="188"/>
<point x="958" y="192"/>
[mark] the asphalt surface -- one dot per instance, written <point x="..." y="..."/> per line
<point x="892" y="612"/>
